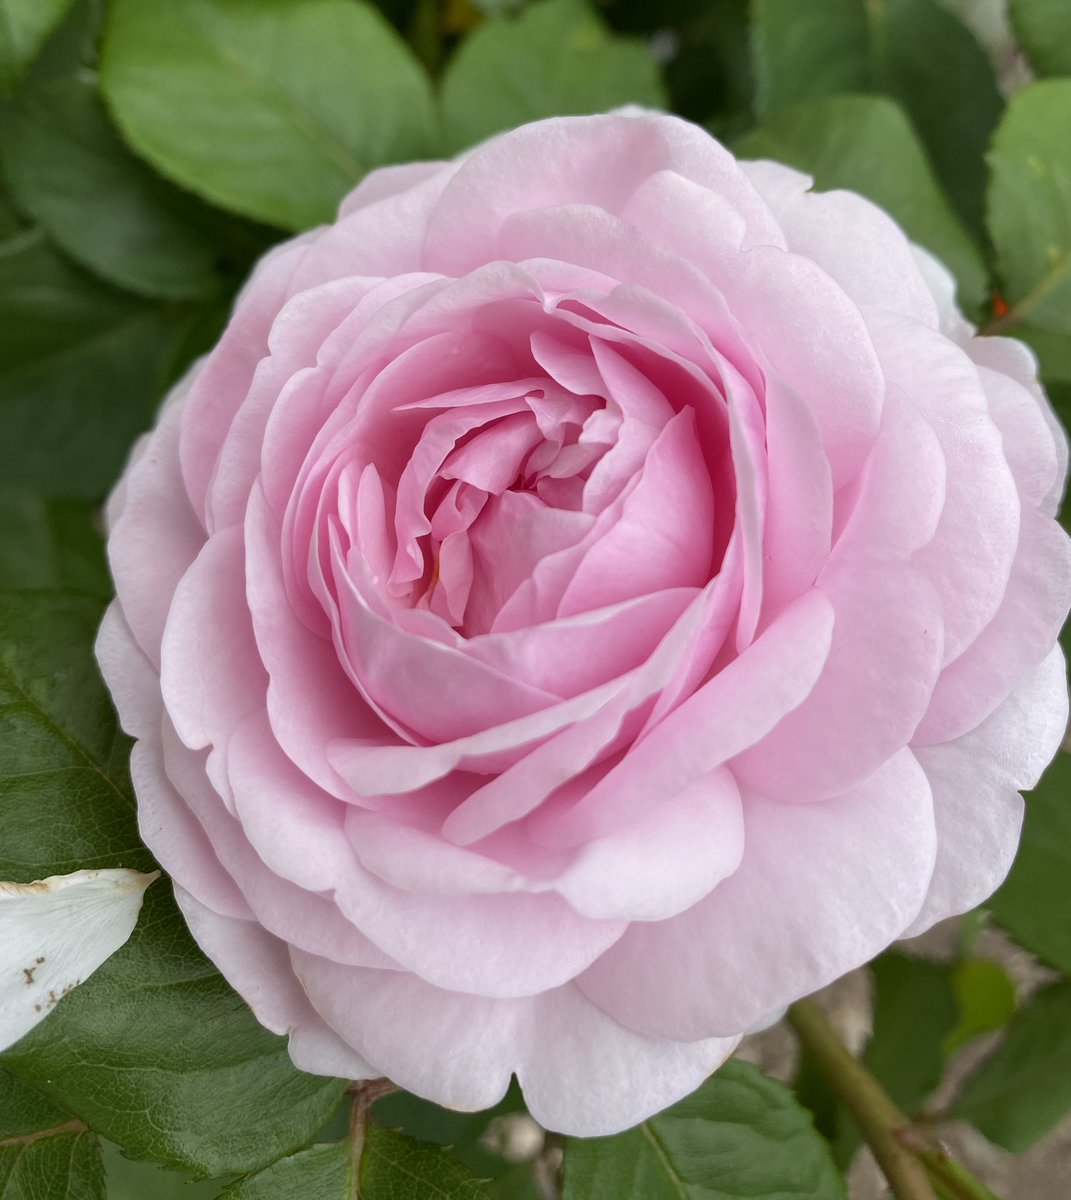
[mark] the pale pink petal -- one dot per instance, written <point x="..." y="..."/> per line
<point x="872" y="694"/>
<point x="521" y="788"/>
<point x="799" y="509"/>
<point x="821" y="889"/>
<point x="856" y="242"/>
<point x="971" y="553"/>
<point x="211" y="676"/>
<point x="664" y="862"/>
<point x="564" y="160"/>
<point x="223" y="378"/>
<point x="257" y="966"/>
<point x="831" y="363"/>
<point x="154" y="534"/>
<point x="976" y="781"/>
<point x="385" y="182"/>
<point x="736" y="709"/>
<point x="579" y="1069"/>
<point x="1018" y="638"/>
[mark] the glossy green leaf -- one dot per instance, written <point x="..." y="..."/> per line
<point x="154" y="1052"/>
<point x="1044" y="29"/>
<point x="68" y="170"/>
<point x="985" y="997"/>
<point x="82" y="369"/>
<point x="51" y="544"/>
<point x="741" y="1135"/>
<point x="393" y="1167"/>
<point x="1029" y="205"/>
<point x="557" y="58"/>
<point x="1034" y="901"/>
<point x="266" y="107"/>
<point x="1024" y="1089"/>
<point x="914" y="50"/>
<point x="24" y="27"/>
<point x="866" y="144"/>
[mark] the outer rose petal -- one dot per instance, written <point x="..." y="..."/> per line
<point x="580" y="1070"/>
<point x="154" y="534"/>
<point x="976" y="781"/>
<point x="822" y="888"/>
<point x="257" y="966"/>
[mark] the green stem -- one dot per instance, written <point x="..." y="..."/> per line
<point x="362" y="1096"/>
<point x="864" y="1098"/>
<point x="953" y="1182"/>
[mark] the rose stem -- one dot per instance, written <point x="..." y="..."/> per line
<point x="363" y="1095"/>
<point x="861" y="1094"/>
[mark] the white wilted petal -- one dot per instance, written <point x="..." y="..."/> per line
<point x="55" y="933"/>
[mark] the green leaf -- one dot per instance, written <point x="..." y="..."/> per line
<point x="24" y="27"/>
<point x="1044" y="29"/>
<point x="81" y="371"/>
<point x="269" y="108"/>
<point x="69" y="172"/>
<point x="154" y="1052"/>
<point x="709" y="78"/>
<point x="556" y="59"/>
<point x="913" y="50"/>
<point x="51" y="544"/>
<point x="866" y="144"/>
<point x="396" y="1167"/>
<point x="393" y="1167"/>
<point x="1024" y="1089"/>
<point x="58" y="1164"/>
<point x="73" y="45"/>
<point x="10" y="222"/>
<point x="44" y="1154"/>
<point x="65" y="800"/>
<point x="740" y="1135"/>
<point x="1029" y="205"/>
<point x="24" y="1111"/>
<point x="156" y="1031"/>
<point x="985" y="995"/>
<point x="1033" y="902"/>
<point x="323" y="1172"/>
<point x="1053" y="351"/>
<point x="914" y="1011"/>
<point x="809" y="51"/>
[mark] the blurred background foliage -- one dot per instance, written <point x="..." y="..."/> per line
<point x="150" y="151"/>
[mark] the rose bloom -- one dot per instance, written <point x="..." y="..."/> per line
<point x="595" y="593"/>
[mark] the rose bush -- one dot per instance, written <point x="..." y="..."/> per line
<point x="595" y="593"/>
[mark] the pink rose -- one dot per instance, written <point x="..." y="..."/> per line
<point x="595" y="593"/>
